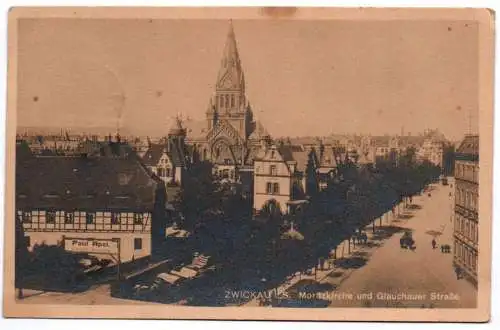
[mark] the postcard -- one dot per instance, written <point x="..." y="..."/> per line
<point x="249" y="163"/>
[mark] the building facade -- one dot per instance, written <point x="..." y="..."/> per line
<point x="90" y="198"/>
<point x="285" y="175"/>
<point x="466" y="207"/>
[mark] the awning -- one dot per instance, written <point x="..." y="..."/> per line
<point x="298" y="202"/>
<point x="185" y="272"/>
<point x="169" y="278"/>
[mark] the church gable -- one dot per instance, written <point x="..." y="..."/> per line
<point x="224" y="130"/>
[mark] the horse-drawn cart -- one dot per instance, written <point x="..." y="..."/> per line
<point x="406" y="241"/>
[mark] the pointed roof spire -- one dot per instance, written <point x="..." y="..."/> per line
<point x="230" y="73"/>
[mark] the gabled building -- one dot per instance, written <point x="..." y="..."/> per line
<point x="90" y="198"/>
<point x="285" y="175"/>
<point x="169" y="161"/>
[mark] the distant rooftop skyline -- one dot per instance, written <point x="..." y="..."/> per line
<point x="304" y="78"/>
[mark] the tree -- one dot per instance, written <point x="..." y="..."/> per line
<point x="199" y="198"/>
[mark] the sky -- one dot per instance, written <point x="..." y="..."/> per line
<point x="303" y="78"/>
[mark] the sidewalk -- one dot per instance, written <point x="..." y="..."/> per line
<point x="336" y="275"/>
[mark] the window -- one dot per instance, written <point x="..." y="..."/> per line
<point x="273" y="170"/>
<point x="272" y="154"/>
<point x="138" y="217"/>
<point x="221" y="101"/>
<point x="69" y="218"/>
<point x="257" y="169"/>
<point x="227" y="101"/>
<point x="51" y="217"/>
<point x="167" y="172"/>
<point x="26" y="217"/>
<point x="269" y="189"/>
<point x="227" y="161"/>
<point x="137" y="243"/>
<point x="232" y="101"/>
<point x="225" y="174"/>
<point x="89" y="218"/>
<point x="276" y="188"/>
<point x="161" y="172"/>
<point x="115" y="218"/>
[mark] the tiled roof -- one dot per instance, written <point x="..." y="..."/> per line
<point x="84" y="183"/>
<point x="153" y="154"/>
<point x="469" y="145"/>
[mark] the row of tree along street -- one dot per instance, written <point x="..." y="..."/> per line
<point x="247" y="251"/>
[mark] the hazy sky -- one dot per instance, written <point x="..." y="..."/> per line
<point x="302" y="77"/>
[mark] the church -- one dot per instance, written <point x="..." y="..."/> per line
<point x="229" y="137"/>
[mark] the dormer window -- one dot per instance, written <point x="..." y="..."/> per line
<point x="273" y="154"/>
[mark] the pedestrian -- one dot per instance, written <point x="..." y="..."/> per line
<point x="458" y="272"/>
<point x="433" y="243"/>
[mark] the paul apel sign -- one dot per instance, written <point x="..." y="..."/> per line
<point x="90" y="245"/>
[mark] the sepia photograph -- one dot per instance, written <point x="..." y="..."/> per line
<point x="249" y="163"/>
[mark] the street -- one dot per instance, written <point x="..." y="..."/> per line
<point x="425" y="272"/>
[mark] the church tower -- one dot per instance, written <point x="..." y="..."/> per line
<point x="229" y="102"/>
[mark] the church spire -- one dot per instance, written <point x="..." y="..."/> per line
<point x="230" y="75"/>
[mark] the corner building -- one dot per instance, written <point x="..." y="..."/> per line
<point x="465" y="230"/>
